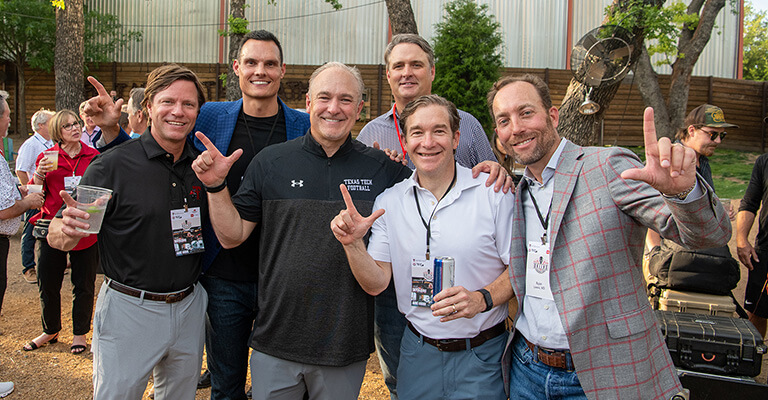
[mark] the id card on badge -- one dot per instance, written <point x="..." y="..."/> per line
<point x="187" y="231"/>
<point x="537" y="271"/>
<point x="422" y="284"/>
<point x="70" y="183"/>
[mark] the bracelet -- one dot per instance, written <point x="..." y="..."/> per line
<point x="682" y="195"/>
<point x="217" y="188"/>
<point x="37" y="174"/>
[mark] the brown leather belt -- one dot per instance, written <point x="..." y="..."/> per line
<point x="461" y="344"/>
<point x="167" y="297"/>
<point x="552" y="358"/>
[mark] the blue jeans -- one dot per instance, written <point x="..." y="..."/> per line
<point x="231" y="315"/>
<point x="388" y="330"/>
<point x="28" y="243"/>
<point x="530" y="379"/>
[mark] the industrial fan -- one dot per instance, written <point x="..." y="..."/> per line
<point x="602" y="57"/>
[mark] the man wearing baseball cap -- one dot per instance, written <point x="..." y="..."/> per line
<point x="703" y="131"/>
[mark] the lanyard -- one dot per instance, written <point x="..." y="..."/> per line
<point x="544" y="221"/>
<point x="428" y="223"/>
<point x="74" y="170"/>
<point x="271" y="130"/>
<point x="399" y="135"/>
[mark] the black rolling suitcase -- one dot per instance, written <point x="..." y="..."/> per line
<point x="714" y="344"/>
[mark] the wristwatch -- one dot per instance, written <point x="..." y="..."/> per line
<point x="488" y="299"/>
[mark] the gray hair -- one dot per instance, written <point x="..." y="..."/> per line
<point x="134" y="101"/>
<point x="41" y="118"/>
<point x="412" y="39"/>
<point x="3" y="96"/>
<point x="351" y="70"/>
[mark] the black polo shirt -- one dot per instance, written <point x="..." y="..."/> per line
<point x="311" y="308"/>
<point x="135" y="241"/>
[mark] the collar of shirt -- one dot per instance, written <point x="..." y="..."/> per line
<point x="154" y="150"/>
<point x="312" y="146"/>
<point x="549" y="170"/>
<point x="47" y="143"/>
<point x="464" y="181"/>
<point x="96" y="130"/>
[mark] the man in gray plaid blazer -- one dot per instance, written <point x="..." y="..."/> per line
<point x="584" y="328"/>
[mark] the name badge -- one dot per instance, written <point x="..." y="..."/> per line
<point x="537" y="271"/>
<point x="187" y="231"/>
<point x="70" y="183"/>
<point x="422" y="283"/>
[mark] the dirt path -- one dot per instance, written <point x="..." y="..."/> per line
<point x="51" y="372"/>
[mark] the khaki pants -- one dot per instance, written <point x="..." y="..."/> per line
<point x="132" y="337"/>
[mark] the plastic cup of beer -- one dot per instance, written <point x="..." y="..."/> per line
<point x="92" y="200"/>
<point x="53" y="157"/>
<point x="34" y="189"/>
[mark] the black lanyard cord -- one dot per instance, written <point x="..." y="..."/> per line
<point x="271" y="130"/>
<point x="428" y="223"/>
<point x="544" y="221"/>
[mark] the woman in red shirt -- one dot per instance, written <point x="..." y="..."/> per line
<point x="74" y="157"/>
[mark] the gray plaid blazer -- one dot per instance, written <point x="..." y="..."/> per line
<point x="599" y="222"/>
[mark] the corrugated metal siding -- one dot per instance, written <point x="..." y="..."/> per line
<point x="172" y="30"/>
<point x="312" y="33"/>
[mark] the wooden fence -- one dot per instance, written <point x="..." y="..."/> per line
<point x="744" y="102"/>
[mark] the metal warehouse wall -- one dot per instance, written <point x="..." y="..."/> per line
<point x="535" y="31"/>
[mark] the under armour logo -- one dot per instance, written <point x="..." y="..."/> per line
<point x="299" y="183"/>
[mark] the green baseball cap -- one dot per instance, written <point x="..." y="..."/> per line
<point x="713" y="117"/>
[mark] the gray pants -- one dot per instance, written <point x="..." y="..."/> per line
<point x="278" y="379"/>
<point x="132" y="337"/>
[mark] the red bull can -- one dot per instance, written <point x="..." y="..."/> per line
<point x="445" y="268"/>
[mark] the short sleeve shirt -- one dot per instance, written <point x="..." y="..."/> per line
<point x="136" y="241"/>
<point x="9" y="194"/>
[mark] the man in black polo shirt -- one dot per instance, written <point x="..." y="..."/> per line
<point x="150" y="311"/>
<point x="315" y="327"/>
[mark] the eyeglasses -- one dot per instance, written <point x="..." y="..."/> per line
<point x="713" y="134"/>
<point x="69" y="127"/>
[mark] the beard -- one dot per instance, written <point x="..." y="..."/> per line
<point x="545" y="139"/>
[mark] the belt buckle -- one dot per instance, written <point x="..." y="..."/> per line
<point x="173" y="297"/>
<point x="444" y="344"/>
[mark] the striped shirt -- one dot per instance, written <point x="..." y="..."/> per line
<point x="473" y="144"/>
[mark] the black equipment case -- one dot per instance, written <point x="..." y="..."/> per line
<point x="714" y="344"/>
<point x="705" y="386"/>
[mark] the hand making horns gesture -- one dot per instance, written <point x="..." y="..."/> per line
<point x="212" y="167"/>
<point x="669" y="168"/>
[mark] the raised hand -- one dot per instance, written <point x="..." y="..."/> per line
<point x="212" y="167"/>
<point x="669" y="168"/>
<point x="104" y="111"/>
<point x="349" y="226"/>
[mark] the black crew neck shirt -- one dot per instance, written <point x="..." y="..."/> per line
<point x="252" y="134"/>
